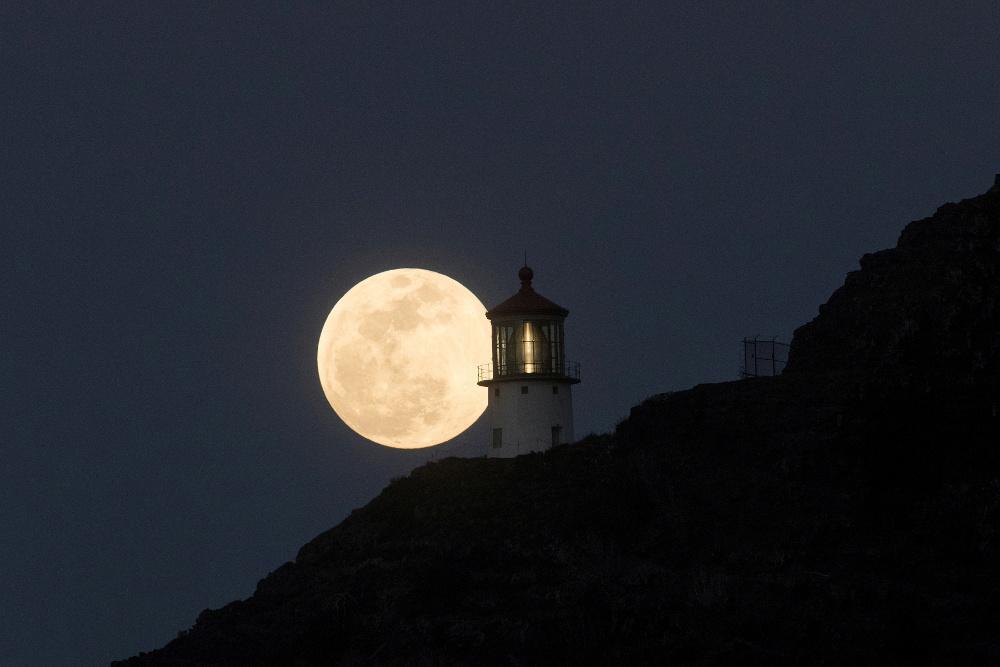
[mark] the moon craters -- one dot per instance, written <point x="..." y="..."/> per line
<point x="398" y="354"/>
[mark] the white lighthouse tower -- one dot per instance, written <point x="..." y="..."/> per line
<point x="529" y="380"/>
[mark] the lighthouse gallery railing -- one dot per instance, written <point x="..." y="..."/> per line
<point x="570" y="369"/>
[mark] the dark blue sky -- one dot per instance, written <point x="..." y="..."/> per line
<point x="187" y="189"/>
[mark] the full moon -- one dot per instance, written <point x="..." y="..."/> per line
<point x="398" y="354"/>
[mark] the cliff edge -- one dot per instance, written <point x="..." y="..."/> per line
<point x="846" y="511"/>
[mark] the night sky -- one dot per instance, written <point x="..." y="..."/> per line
<point x="187" y="189"/>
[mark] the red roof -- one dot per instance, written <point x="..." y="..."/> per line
<point x="527" y="301"/>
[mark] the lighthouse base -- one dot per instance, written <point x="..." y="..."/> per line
<point x="528" y="415"/>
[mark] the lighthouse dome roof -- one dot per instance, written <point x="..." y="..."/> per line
<point x="526" y="301"/>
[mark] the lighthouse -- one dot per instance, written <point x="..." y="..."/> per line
<point x="530" y="406"/>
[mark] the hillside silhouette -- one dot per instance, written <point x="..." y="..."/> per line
<point x="845" y="511"/>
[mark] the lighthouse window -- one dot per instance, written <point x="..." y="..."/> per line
<point x="556" y="432"/>
<point x="556" y="347"/>
<point x="555" y="389"/>
<point x="552" y="334"/>
<point x="526" y="349"/>
<point x="533" y="347"/>
<point x="497" y="438"/>
<point x="503" y="334"/>
<point x="524" y="389"/>
<point x="496" y="391"/>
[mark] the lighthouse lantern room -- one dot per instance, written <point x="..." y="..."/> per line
<point x="530" y="405"/>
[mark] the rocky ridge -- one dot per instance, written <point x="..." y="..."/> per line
<point x="848" y="510"/>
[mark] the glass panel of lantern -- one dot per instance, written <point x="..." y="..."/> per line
<point x="502" y="348"/>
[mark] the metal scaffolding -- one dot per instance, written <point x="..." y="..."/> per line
<point x="763" y="357"/>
